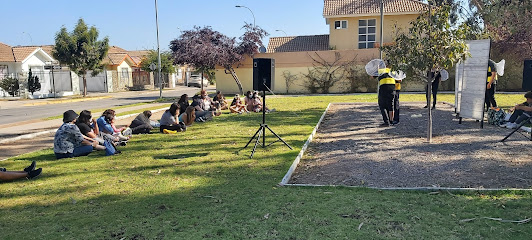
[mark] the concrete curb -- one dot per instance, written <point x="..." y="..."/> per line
<point x="66" y="101"/>
<point x="415" y="188"/>
<point x="33" y="135"/>
<point x="293" y="167"/>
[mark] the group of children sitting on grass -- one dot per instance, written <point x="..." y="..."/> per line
<point x="81" y="134"/>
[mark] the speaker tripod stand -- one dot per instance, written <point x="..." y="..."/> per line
<point x="262" y="131"/>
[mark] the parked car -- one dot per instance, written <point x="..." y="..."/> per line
<point x="195" y="80"/>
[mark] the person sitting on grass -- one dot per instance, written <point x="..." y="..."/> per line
<point x="88" y="127"/>
<point x="106" y="128"/>
<point x="237" y="106"/>
<point x="141" y="124"/>
<point x="188" y="116"/>
<point x="202" y="114"/>
<point x="183" y="103"/>
<point x="521" y="112"/>
<point x="29" y="172"/>
<point x="68" y="140"/>
<point x="209" y="104"/>
<point x="220" y="100"/>
<point x="169" y="120"/>
<point x="248" y="98"/>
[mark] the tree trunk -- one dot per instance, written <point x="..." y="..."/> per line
<point x="235" y="77"/>
<point x="84" y="86"/>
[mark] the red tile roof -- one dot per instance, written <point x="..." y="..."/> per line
<point x="298" y="44"/>
<point x="115" y="49"/>
<point x="333" y="8"/>
<point x="22" y="52"/>
<point x="6" y="53"/>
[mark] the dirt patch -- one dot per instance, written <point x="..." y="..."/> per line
<point x="351" y="149"/>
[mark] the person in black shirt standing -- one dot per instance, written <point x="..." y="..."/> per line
<point x="491" y="83"/>
<point x="435" y="85"/>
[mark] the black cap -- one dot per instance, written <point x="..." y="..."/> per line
<point x="528" y="94"/>
<point x="69" y="116"/>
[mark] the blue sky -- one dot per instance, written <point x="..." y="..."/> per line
<point x="130" y="24"/>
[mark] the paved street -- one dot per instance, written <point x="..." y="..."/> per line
<point x="17" y="111"/>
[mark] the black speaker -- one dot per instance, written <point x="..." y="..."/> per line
<point x="263" y="74"/>
<point x="527" y="75"/>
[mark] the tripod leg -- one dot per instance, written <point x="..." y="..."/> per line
<point x="515" y="130"/>
<point x="251" y="139"/>
<point x="256" y="143"/>
<point x="279" y="137"/>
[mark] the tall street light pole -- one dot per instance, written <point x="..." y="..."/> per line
<point x="158" y="54"/>
<point x="279" y="30"/>
<point x="238" y="6"/>
<point x="382" y="26"/>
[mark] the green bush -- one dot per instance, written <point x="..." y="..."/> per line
<point x="10" y="85"/>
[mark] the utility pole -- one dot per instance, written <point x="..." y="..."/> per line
<point x="158" y="54"/>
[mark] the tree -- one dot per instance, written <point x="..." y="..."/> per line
<point x="10" y="85"/>
<point x="431" y="43"/>
<point x="205" y="48"/>
<point x="167" y="65"/>
<point x="326" y="74"/>
<point x="81" y="50"/>
<point x="33" y="83"/>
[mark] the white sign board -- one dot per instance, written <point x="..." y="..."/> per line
<point x="471" y="78"/>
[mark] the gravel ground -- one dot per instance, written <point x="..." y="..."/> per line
<point x="351" y="149"/>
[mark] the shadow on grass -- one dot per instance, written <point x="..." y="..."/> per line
<point x="179" y="156"/>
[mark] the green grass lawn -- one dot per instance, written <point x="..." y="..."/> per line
<point x="202" y="184"/>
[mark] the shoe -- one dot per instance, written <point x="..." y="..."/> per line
<point x="511" y="125"/>
<point x="169" y="131"/>
<point x="31" y="167"/>
<point x="426" y="106"/>
<point x="272" y="110"/>
<point x="433" y="107"/>
<point x="34" y="173"/>
<point x="122" y="143"/>
<point x="384" y="125"/>
<point x="395" y="122"/>
<point x="3" y="169"/>
<point x="127" y="132"/>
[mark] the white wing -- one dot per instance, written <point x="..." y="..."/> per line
<point x="373" y="66"/>
<point x="500" y="67"/>
<point x="398" y="75"/>
<point x="444" y="75"/>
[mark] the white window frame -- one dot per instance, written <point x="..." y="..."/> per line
<point x="367" y="43"/>
<point x="126" y="71"/>
<point x="4" y="74"/>
<point x="341" y="25"/>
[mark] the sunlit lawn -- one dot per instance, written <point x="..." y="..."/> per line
<point x="202" y="184"/>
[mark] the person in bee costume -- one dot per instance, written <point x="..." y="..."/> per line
<point x="386" y="96"/>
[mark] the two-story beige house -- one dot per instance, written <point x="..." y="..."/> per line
<point x="354" y="33"/>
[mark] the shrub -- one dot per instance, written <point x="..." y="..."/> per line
<point x="10" y="85"/>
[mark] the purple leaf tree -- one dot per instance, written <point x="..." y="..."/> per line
<point x="205" y="48"/>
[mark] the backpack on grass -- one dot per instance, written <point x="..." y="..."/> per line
<point x="496" y="116"/>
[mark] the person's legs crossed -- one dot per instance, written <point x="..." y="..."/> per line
<point x="82" y="150"/>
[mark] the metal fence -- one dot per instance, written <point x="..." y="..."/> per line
<point x="96" y="83"/>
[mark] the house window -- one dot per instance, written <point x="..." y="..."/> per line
<point x="366" y="33"/>
<point x="125" y="74"/>
<point x="3" y="71"/>
<point x="340" y="24"/>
